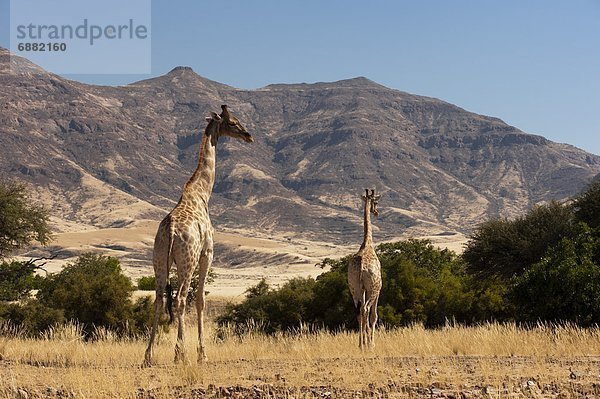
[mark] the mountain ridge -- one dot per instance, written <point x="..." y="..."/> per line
<point x="317" y="146"/>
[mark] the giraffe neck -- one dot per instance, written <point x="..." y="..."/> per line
<point x="198" y="188"/>
<point x="368" y="239"/>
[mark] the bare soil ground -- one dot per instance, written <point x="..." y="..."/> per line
<point x="409" y="377"/>
<point x="489" y="361"/>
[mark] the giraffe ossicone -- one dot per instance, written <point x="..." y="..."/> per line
<point x="185" y="235"/>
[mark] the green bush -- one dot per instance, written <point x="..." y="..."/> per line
<point x="94" y="292"/>
<point x="332" y="306"/>
<point x="324" y="302"/>
<point x="424" y="284"/>
<point x="506" y="248"/>
<point x="490" y="302"/>
<point x="587" y="205"/>
<point x="142" y="315"/>
<point x="565" y="284"/>
<point x="146" y="283"/>
<point x="17" y="279"/>
<point x="420" y="284"/>
<point x="269" y="309"/>
<point x="31" y="318"/>
<point x="21" y="220"/>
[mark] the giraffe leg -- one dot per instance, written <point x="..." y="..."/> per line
<point x="362" y="322"/>
<point x="161" y="274"/>
<point x="185" y="278"/>
<point x="364" y="314"/>
<point x="366" y="329"/>
<point x="158" y="305"/>
<point x="205" y="263"/>
<point x="373" y="321"/>
<point x="360" y="329"/>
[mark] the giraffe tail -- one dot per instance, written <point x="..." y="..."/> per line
<point x="169" y="291"/>
<point x="362" y="298"/>
<point x="169" y="288"/>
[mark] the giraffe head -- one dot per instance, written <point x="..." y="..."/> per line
<point x="226" y="124"/>
<point x="231" y="127"/>
<point x="371" y="200"/>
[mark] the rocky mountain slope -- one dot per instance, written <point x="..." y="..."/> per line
<point x="106" y="156"/>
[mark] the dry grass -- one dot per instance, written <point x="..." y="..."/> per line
<point x="489" y="358"/>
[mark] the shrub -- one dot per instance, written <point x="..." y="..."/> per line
<point x="332" y="306"/>
<point x="271" y="309"/>
<point x="565" y="284"/>
<point x="17" y="279"/>
<point x="21" y="220"/>
<point x="587" y="205"/>
<point x="146" y="283"/>
<point x="420" y="284"/>
<point x="94" y="292"/>
<point x="505" y="248"/>
<point x="142" y="315"/>
<point x="32" y="318"/>
<point x="423" y="284"/>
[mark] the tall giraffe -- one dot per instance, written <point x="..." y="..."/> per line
<point x="185" y="235"/>
<point x="364" y="277"/>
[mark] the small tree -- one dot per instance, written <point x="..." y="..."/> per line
<point x="143" y="311"/>
<point x="504" y="248"/>
<point x="31" y="317"/>
<point x="332" y="305"/>
<point x="565" y="284"/>
<point x="272" y="309"/>
<point x="422" y="283"/>
<point x="146" y="283"/>
<point x="21" y="220"/>
<point x="587" y="205"/>
<point x="94" y="291"/>
<point x="17" y="279"/>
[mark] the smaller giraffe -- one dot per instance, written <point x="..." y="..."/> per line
<point x="364" y="277"/>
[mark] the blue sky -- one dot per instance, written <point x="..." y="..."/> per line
<point x="533" y="63"/>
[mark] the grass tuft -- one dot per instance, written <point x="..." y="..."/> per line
<point x="494" y="354"/>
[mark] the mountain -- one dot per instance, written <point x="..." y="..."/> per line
<point x="108" y="156"/>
